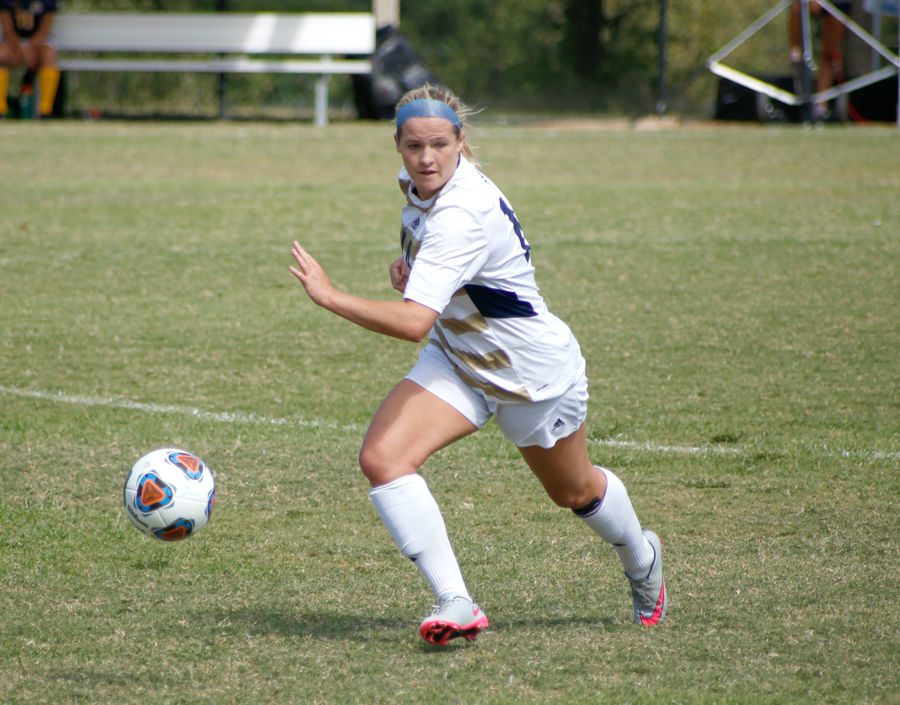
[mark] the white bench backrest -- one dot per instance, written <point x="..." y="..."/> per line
<point x="227" y="33"/>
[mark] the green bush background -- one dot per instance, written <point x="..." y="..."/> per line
<point x="504" y="55"/>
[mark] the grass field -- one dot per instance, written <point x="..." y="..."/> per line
<point x="736" y="293"/>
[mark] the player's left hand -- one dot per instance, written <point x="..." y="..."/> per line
<point x="399" y="272"/>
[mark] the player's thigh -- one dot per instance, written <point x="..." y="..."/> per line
<point x="832" y="36"/>
<point x="46" y="55"/>
<point x="30" y="56"/>
<point x="566" y="471"/>
<point x="7" y="56"/>
<point x="410" y="425"/>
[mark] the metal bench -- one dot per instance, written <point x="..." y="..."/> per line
<point x="233" y="43"/>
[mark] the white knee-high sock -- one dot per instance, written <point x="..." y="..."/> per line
<point x="614" y="520"/>
<point x="414" y="520"/>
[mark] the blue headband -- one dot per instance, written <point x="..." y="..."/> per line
<point x="427" y="107"/>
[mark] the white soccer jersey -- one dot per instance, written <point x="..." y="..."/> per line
<point x="471" y="263"/>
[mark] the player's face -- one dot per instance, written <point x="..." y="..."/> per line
<point x="430" y="149"/>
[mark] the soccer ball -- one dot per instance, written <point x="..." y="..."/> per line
<point x="169" y="494"/>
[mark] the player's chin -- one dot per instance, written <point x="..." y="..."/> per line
<point x="428" y="184"/>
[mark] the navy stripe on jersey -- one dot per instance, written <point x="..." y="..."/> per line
<point x="498" y="303"/>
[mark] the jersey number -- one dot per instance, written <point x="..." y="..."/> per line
<point x="508" y="212"/>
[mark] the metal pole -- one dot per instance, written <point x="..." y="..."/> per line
<point x="749" y="32"/>
<point x="322" y="100"/>
<point x="661" y="84"/>
<point x="876" y="32"/>
<point x="222" y="6"/>
<point x="807" y="65"/>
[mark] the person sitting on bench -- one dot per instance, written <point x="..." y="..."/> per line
<point x="26" y="30"/>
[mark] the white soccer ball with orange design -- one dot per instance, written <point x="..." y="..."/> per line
<point x="169" y="494"/>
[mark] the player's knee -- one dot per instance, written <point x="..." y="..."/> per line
<point x="378" y="466"/>
<point x="47" y="55"/>
<point x="572" y="497"/>
<point x="370" y="463"/>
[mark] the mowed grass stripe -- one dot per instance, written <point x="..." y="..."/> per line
<point x="238" y="417"/>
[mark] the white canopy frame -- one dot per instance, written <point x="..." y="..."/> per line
<point x="806" y="97"/>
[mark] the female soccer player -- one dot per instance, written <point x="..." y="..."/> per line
<point x="494" y="349"/>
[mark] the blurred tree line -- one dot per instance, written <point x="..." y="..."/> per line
<point x="523" y="55"/>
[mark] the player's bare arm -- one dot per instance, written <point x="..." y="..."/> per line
<point x="42" y="36"/>
<point x="406" y="320"/>
<point x="11" y="38"/>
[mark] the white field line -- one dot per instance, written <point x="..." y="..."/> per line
<point x="218" y="417"/>
<point x="64" y="257"/>
<point x="231" y="417"/>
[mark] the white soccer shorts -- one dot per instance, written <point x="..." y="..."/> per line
<point x="540" y="423"/>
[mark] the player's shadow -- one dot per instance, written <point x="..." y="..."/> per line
<point x="320" y="624"/>
<point x="332" y="624"/>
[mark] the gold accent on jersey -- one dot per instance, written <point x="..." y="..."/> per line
<point x="24" y="19"/>
<point x="494" y="360"/>
<point x="470" y="324"/>
<point x="496" y="392"/>
<point x="407" y="187"/>
<point x="409" y="245"/>
<point x="470" y="362"/>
